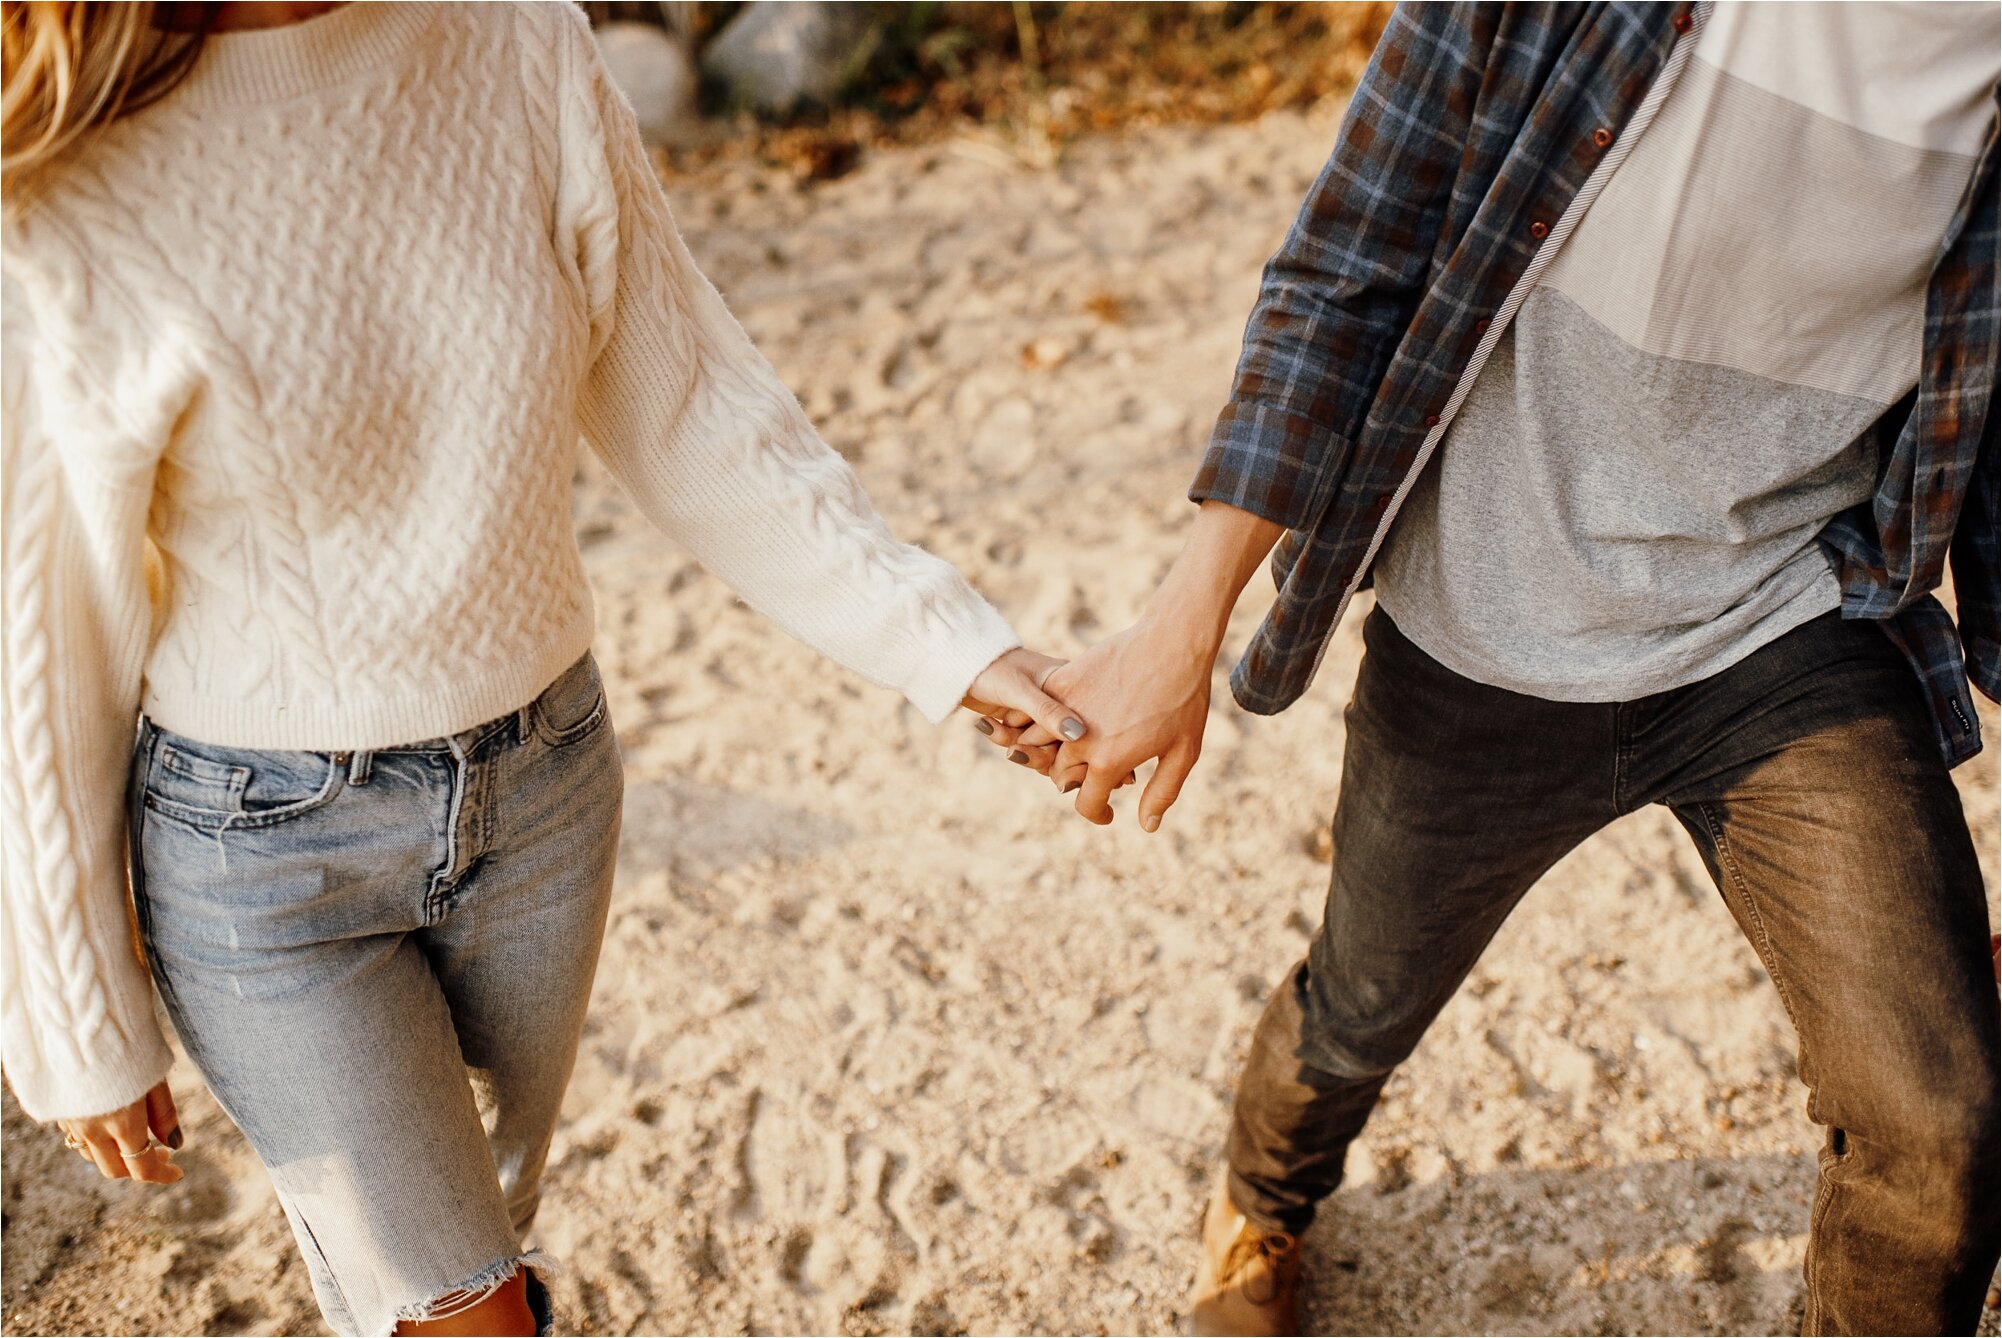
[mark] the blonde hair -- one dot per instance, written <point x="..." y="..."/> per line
<point x="70" y="66"/>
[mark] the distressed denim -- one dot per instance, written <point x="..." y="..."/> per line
<point x="380" y="964"/>
<point x="1808" y="776"/>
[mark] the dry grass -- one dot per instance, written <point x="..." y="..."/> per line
<point x="1030" y="78"/>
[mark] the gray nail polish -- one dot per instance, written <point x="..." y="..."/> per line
<point x="1071" y="729"/>
<point x="1072" y="786"/>
<point x="1019" y="757"/>
<point x="984" y="725"/>
<point x="175" y="1138"/>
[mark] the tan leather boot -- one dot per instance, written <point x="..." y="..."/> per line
<point x="1249" y="1280"/>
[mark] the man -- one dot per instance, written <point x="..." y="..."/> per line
<point x="1696" y="311"/>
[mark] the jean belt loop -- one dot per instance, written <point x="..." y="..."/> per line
<point x="360" y="767"/>
<point x="524" y="723"/>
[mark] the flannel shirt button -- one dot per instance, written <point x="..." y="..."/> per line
<point x="1539" y="229"/>
<point x="1683" y="23"/>
<point x="1431" y="420"/>
<point x="1481" y="326"/>
<point x="1602" y="137"/>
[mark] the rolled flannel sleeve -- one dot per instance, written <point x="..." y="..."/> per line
<point x="1338" y="296"/>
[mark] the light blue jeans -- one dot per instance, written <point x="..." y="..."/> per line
<point x="380" y="963"/>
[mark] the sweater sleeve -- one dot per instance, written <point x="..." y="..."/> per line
<point x="80" y="1036"/>
<point x="697" y="427"/>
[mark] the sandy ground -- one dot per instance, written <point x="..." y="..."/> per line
<point x="884" y="1039"/>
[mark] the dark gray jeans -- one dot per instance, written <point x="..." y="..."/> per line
<point x="1808" y="777"/>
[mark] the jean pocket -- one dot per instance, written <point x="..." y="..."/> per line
<point x="211" y="787"/>
<point x="572" y="707"/>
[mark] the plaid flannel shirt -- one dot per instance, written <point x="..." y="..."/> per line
<point x="1471" y="133"/>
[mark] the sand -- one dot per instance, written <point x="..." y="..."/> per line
<point x="884" y="1039"/>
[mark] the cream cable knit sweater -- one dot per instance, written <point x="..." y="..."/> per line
<point x="321" y="332"/>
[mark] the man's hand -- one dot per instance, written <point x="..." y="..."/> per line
<point x="137" y="1142"/>
<point x="1146" y="691"/>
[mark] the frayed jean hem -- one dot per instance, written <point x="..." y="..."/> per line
<point x="464" y="1295"/>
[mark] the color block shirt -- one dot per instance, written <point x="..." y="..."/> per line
<point x="1454" y="184"/>
<point x="1630" y="498"/>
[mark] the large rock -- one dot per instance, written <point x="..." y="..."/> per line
<point x="657" y="76"/>
<point x="774" y="56"/>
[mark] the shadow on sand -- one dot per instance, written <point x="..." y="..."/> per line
<point x="1705" y="1245"/>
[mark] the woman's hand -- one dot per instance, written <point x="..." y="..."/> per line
<point x="1012" y="688"/>
<point x="136" y="1143"/>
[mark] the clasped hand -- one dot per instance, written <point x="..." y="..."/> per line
<point x="1143" y="694"/>
<point x="1140" y="695"/>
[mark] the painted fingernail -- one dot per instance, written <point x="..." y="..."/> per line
<point x="175" y="1138"/>
<point x="1019" y="757"/>
<point x="1071" y="729"/>
<point x="1151" y="823"/>
<point x="984" y="725"/>
<point x="1072" y="786"/>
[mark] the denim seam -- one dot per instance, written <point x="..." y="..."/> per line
<point x="572" y="734"/>
<point x="484" y="821"/>
<point x="1762" y="944"/>
<point x="1810" y="1264"/>
<point x="174" y="760"/>
<point x="333" y="1278"/>
<point x="135" y="836"/>
<point x="212" y="821"/>
<point x="441" y="877"/>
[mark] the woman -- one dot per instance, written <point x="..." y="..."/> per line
<point x="306" y="309"/>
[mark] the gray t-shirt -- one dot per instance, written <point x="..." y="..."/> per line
<point x="1628" y="499"/>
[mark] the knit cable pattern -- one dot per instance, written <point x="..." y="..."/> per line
<point x="326" y="336"/>
<point x="908" y="612"/>
<point x="77" y="1008"/>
